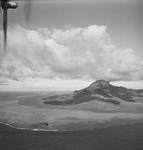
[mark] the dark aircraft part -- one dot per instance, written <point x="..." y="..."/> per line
<point x="5" y="28"/>
<point x="5" y="5"/>
<point x="11" y="5"/>
<point x="8" y="4"/>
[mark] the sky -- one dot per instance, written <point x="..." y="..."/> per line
<point x="69" y="44"/>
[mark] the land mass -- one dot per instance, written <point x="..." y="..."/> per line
<point x="100" y="90"/>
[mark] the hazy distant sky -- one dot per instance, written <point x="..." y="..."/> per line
<point x="123" y="18"/>
<point x="76" y="40"/>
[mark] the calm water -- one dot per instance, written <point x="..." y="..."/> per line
<point x="8" y="96"/>
<point x="123" y="137"/>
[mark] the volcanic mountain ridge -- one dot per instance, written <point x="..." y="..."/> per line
<point x="100" y="90"/>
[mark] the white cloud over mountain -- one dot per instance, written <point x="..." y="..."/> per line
<point x="70" y="53"/>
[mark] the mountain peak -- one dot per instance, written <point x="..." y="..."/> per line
<point x="99" y="84"/>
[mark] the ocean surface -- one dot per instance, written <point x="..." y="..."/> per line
<point x="8" y="96"/>
<point x="123" y="137"/>
<point x="28" y="98"/>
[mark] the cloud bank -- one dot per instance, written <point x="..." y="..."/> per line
<point x="70" y="53"/>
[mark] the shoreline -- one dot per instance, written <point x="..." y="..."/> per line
<point x="127" y="137"/>
<point x="27" y="129"/>
<point x="69" y="130"/>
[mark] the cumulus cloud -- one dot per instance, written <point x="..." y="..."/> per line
<point x="73" y="53"/>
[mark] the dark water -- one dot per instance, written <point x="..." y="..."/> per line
<point x="123" y="137"/>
